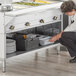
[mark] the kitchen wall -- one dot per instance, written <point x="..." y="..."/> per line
<point x="16" y="0"/>
<point x="5" y="1"/>
<point x="69" y="0"/>
<point x="74" y="1"/>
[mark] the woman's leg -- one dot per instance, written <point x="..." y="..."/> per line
<point x="68" y="39"/>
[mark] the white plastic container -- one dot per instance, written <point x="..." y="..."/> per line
<point x="44" y="40"/>
<point x="10" y="46"/>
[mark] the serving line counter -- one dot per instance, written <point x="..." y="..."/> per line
<point x="17" y="20"/>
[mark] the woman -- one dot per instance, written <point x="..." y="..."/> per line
<point x="68" y="36"/>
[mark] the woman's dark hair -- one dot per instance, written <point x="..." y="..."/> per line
<point x="68" y="6"/>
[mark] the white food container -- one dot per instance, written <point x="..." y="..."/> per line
<point x="44" y="40"/>
<point x="10" y="46"/>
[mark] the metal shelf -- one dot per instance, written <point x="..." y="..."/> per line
<point x="34" y="50"/>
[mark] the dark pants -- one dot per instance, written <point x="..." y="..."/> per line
<point x="68" y="39"/>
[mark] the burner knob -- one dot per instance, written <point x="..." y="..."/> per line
<point x="27" y="24"/>
<point x="12" y="27"/>
<point x="41" y="21"/>
<point x="55" y="18"/>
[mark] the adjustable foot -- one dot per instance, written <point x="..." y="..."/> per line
<point x="47" y="52"/>
<point x="36" y="56"/>
<point x="4" y="66"/>
<point x="58" y="49"/>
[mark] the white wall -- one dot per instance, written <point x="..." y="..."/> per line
<point x="5" y="1"/>
<point x="16" y="0"/>
<point x="74" y="1"/>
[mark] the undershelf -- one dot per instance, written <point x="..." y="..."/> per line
<point x="34" y="50"/>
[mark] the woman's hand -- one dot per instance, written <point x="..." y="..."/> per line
<point x="56" y="37"/>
